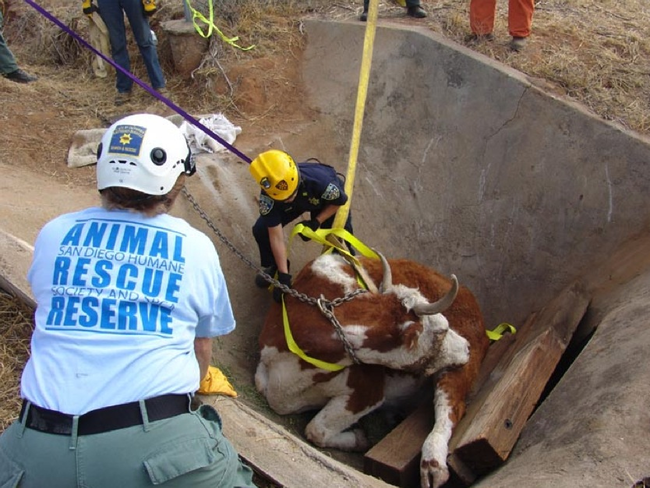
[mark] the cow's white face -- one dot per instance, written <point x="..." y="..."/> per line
<point x="437" y="346"/>
<point x="428" y="344"/>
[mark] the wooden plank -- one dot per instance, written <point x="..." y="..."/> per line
<point x="511" y="392"/>
<point x="281" y="457"/>
<point x="396" y="458"/>
<point x="500" y="353"/>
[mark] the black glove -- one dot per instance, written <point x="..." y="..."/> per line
<point x="285" y="279"/>
<point x="313" y="224"/>
<point x="149" y="7"/>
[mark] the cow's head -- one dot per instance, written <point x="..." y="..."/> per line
<point x="399" y="328"/>
<point x="432" y="340"/>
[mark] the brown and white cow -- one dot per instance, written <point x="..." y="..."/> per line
<point x="400" y="338"/>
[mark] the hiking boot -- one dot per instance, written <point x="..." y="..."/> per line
<point x="122" y="97"/>
<point x="518" y="43"/>
<point x="260" y="281"/>
<point x="416" y="11"/>
<point x="19" y="76"/>
<point x="364" y="16"/>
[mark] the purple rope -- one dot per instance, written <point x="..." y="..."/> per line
<point x="153" y="92"/>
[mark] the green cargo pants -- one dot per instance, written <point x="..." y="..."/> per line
<point x="185" y="451"/>
<point x="7" y="61"/>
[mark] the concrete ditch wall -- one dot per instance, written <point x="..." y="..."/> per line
<point x="469" y="167"/>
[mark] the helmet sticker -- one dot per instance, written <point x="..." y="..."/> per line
<point x="332" y="192"/>
<point x="127" y="139"/>
<point x="266" y="204"/>
<point x="282" y="185"/>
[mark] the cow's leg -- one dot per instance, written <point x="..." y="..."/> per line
<point x="261" y="378"/>
<point x="329" y="428"/>
<point x="449" y="407"/>
<point x="289" y="387"/>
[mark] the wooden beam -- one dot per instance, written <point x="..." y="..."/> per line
<point x="487" y="434"/>
<point x="513" y="375"/>
<point x="396" y="458"/>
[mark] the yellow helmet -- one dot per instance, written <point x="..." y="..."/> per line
<point x="276" y="172"/>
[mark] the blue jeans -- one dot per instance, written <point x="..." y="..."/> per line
<point x="112" y="13"/>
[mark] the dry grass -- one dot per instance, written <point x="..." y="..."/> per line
<point x="596" y="52"/>
<point x="16" y="327"/>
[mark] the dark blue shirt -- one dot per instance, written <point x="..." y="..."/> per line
<point x="319" y="187"/>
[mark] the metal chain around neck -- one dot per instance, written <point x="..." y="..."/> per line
<point x="326" y="309"/>
<point x="285" y="289"/>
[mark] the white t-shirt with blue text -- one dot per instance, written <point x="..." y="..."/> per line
<point x="120" y="299"/>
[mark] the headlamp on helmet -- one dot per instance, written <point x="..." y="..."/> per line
<point x="143" y="152"/>
<point x="277" y="174"/>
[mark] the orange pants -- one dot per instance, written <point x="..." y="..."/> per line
<point x="520" y="16"/>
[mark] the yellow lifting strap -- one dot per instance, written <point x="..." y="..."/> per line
<point x="497" y="333"/>
<point x="330" y="239"/>
<point x="198" y="16"/>
<point x="362" y="92"/>
<point x="320" y="236"/>
<point x="294" y="348"/>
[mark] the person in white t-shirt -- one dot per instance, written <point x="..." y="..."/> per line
<point x="128" y="301"/>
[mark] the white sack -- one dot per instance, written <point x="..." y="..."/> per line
<point x="201" y="142"/>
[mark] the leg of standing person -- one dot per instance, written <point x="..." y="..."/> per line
<point x="481" y="16"/>
<point x="8" y="66"/>
<point x="261" y="235"/>
<point x="520" y="21"/>
<point x="113" y="16"/>
<point x="142" y="34"/>
<point x="414" y="9"/>
<point x="364" y="14"/>
<point x="7" y="60"/>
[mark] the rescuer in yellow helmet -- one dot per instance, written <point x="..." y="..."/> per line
<point x="288" y="190"/>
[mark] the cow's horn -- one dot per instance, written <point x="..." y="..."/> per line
<point x="387" y="281"/>
<point x="440" y="305"/>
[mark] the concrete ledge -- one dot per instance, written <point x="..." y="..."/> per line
<point x="15" y="260"/>
<point x="282" y="457"/>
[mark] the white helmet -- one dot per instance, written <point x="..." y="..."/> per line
<point x="143" y="152"/>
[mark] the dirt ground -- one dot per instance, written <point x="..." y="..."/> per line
<point x="261" y="90"/>
<point x="592" y="50"/>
